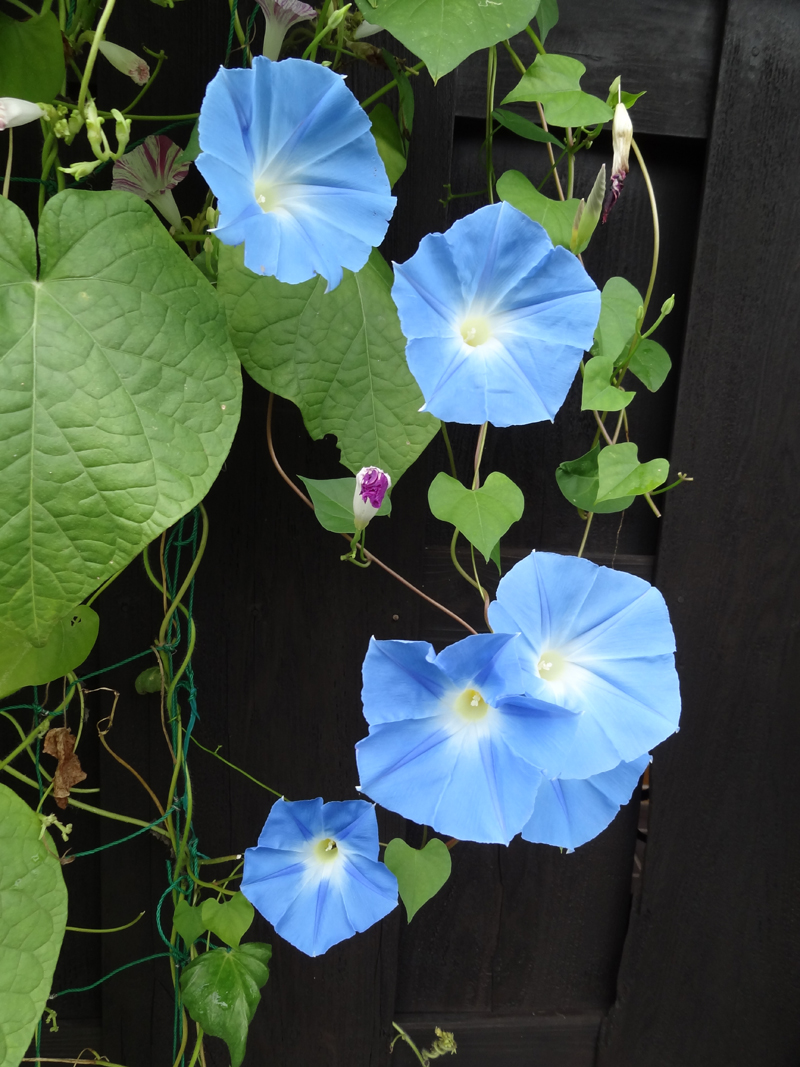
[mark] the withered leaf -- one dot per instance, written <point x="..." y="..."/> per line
<point x="60" y="742"/>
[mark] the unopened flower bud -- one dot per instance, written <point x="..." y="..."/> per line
<point x="16" y="112"/>
<point x="123" y="130"/>
<point x="668" y="305"/>
<point x="125" y="61"/>
<point x="621" y="137"/>
<point x="372" y="485"/>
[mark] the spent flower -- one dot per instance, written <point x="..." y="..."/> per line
<point x="496" y="318"/>
<point x="621" y="138"/>
<point x="151" y="171"/>
<point x="290" y="156"/>
<point x="315" y="875"/>
<point x="125" y="61"/>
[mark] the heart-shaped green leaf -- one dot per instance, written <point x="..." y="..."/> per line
<point x="598" y="393"/>
<point x="615" y="96"/>
<point x="189" y="921"/>
<point x="445" y="32"/>
<point x="31" y="57"/>
<point x="339" y="356"/>
<point x="221" y="992"/>
<point x="557" y="216"/>
<point x="333" y="502"/>
<point x="68" y="645"/>
<point x="119" y="395"/>
<point x="554" y="81"/>
<point x="229" y="919"/>
<point x="482" y="515"/>
<point x="579" y="481"/>
<point x="621" y="474"/>
<point x="420" y="873"/>
<point x="619" y="309"/>
<point x="651" y="364"/>
<point x="33" y="915"/>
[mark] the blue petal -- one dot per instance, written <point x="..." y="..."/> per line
<point x="297" y="127"/>
<point x="569" y="813"/>
<point x="487" y="662"/>
<point x="542" y="306"/>
<point x="290" y="824"/>
<point x="401" y="680"/>
<point x="466" y="782"/>
<point x="541" y="733"/>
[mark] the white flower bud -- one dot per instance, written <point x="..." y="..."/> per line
<point x="372" y="485"/>
<point x="125" y="61"/>
<point x="16" y="112"/>
<point x="621" y="137"/>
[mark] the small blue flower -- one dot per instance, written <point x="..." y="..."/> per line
<point x="290" y="156"/>
<point x="451" y="743"/>
<point x="598" y="642"/>
<point x="315" y="873"/>
<point x="496" y="318"/>
<point x="570" y="811"/>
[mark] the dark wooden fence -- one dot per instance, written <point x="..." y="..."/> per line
<point x="531" y="956"/>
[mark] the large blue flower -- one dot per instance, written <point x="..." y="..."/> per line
<point x="599" y="642"/>
<point x="496" y="319"/>
<point x="571" y="811"/>
<point x="315" y="873"/>
<point x="451" y="743"/>
<point x="289" y="155"/>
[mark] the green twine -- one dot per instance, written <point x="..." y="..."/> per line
<point x="105" y="978"/>
<point x="122" y="840"/>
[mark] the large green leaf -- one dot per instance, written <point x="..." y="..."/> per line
<point x="621" y="474"/>
<point x="598" y="393"/>
<point x="482" y="515"/>
<point x="119" y="397"/>
<point x="33" y="915"/>
<point x="31" y="57"/>
<point x="420" y="873"/>
<point x="445" y="32"/>
<point x="339" y="356"/>
<point x="619" y="309"/>
<point x="221" y="992"/>
<point x="22" y="663"/>
<point x="333" y="502"/>
<point x="651" y="364"/>
<point x="554" y="81"/>
<point x="557" y="216"/>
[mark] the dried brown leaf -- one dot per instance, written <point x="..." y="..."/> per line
<point x="60" y="742"/>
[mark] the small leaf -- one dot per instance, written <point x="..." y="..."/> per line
<point x="598" y="393"/>
<point x="546" y="17"/>
<point x="578" y="480"/>
<point x="651" y="364"/>
<point x="615" y="97"/>
<point x="230" y="919"/>
<point x="22" y="663"/>
<point x="482" y="515"/>
<point x="554" y="81"/>
<point x="556" y="216"/>
<point x="621" y="474"/>
<point x="591" y="215"/>
<point x="221" y="992"/>
<point x="149" y="681"/>
<point x="31" y="58"/>
<point x="333" y="502"/>
<point x="619" y="310"/>
<point x="420" y="873"/>
<point x="33" y="916"/>
<point x="188" y="921"/>
<point x="192" y="149"/>
<point x="524" y="127"/>
<point x="389" y="140"/>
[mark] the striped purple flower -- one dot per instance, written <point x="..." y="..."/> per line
<point x="151" y="172"/>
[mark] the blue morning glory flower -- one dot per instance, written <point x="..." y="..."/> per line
<point x="570" y="811"/>
<point x="598" y="642"/>
<point x="496" y="318"/>
<point x="315" y="873"/>
<point x="451" y="743"/>
<point x="290" y="157"/>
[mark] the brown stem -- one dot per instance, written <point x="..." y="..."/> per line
<point x="347" y="537"/>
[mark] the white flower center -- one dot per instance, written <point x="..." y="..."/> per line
<point x="476" y="330"/>
<point x="551" y="665"/>
<point x="470" y="705"/>
<point x="326" y="850"/>
<point x="267" y="196"/>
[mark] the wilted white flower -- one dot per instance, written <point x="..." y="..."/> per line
<point x="125" y="61"/>
<point x="16" y="112"/>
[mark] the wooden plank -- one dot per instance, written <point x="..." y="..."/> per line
<point x="669" y="49"/>
<point x="512" y="1041"/>
<point x="711" y="973"/>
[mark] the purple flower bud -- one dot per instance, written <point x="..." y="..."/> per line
<point x="371" y="486"/>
